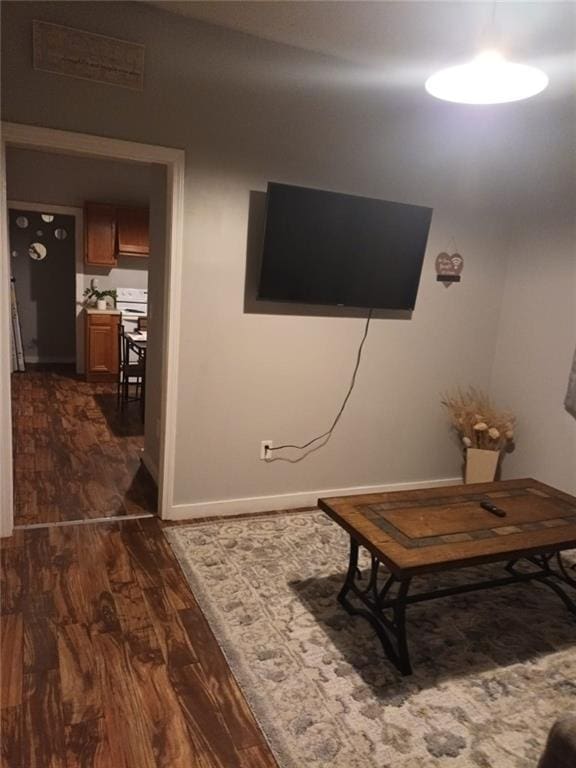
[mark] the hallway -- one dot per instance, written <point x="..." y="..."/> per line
<point x="75" y="456"/>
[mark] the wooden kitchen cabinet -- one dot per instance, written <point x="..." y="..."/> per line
<point x="113" y="231"/>
<point x="102" y="352"/>
<point x="133" y="235"/>
<point x="100" y="234"/>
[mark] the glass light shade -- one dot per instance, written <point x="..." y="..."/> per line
<point x="487" y="79"/>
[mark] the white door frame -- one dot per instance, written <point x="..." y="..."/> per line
<point x="78" y="214"/>
<point x="66" y="142"/>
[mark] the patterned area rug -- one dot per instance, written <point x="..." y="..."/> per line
<point x="492" y="669"/>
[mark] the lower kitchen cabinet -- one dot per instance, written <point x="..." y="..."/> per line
<point x="102" y="353"/>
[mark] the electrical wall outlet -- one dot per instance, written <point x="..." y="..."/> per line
<point x="265" y="452"/>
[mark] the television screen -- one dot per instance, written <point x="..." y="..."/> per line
<point x="335" y="249"/>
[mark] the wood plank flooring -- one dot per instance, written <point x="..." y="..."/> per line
<point x="75" y="455"/>
<point x="107" y="660"/>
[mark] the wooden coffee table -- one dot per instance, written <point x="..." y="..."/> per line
<point x="410" y="533"/>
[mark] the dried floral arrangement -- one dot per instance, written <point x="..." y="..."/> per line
<point x="478" y="423"/>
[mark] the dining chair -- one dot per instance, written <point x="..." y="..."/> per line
<point x="129" y="372"/>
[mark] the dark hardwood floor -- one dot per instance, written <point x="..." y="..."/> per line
<point x="75" y="455"/>
<point x="107" y="660"/>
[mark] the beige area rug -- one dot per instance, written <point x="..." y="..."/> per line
<point x="492" y="669"/>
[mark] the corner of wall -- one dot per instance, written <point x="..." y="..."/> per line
<point x="507" y="250"/>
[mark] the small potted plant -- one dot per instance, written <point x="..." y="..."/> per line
<point x="484" y="432"/>
<point x="98" y="298"/>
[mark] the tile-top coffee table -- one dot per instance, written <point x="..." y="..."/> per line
<point x="410" y="533"/>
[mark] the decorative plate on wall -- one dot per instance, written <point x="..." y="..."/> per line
<point x="37" y="251"/>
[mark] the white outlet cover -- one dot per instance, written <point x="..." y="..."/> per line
<point x="264" y="446"/>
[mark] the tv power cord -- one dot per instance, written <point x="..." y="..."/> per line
<point x="328" y="432"/>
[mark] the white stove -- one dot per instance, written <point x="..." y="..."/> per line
<point x="133" y="303"/>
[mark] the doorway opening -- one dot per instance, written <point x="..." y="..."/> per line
<point x="85" y="449"/>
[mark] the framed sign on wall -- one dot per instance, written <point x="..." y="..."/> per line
<point x="77" y="53"/>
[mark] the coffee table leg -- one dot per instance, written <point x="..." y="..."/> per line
<point x="547" y="576"/>
<point x="400" y="621"/>
<point x="375" y="607"/>
<point x="352" y="573"/>
<point x="562" y="567"/>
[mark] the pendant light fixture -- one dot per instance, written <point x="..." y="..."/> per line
<point x="488" y="79"/>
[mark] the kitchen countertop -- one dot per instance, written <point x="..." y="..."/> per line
<point x="94" y="311"/>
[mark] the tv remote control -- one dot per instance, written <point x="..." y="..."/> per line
<point x="489" y="506"/>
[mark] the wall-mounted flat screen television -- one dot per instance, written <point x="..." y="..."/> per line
<point x="335" y="249"/>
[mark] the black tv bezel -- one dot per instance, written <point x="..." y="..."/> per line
<point x="299" y="302"/>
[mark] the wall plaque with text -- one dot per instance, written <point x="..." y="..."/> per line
<point x="76" y="53"/>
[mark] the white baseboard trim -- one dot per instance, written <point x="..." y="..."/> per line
<point x="226" y="507"/>
<point x="150" y="465"/>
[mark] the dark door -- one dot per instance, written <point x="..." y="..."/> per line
<point x="43" y="266"/>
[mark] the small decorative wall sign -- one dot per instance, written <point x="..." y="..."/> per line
<point x="448" y="268"/>
<point x="76" y="53"/>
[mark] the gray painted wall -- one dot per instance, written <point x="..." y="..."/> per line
<point x="537" y="328"/>
<point x="45" y="288"/>
<point x="247" y="111"/>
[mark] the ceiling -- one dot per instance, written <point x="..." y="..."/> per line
<point x="377" y="34"/>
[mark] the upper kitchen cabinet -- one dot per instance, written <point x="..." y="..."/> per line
<point x="113" y="231"/>
<point x="133" y="236"/>
<point x="100" y="234"/>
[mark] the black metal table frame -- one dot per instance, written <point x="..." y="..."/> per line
<point x="385" y="606"/>
<point x="140" y="350"/>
